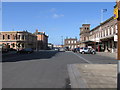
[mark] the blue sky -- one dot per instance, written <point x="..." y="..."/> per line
<point x="56" y="19"/>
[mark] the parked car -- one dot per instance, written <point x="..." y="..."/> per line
<point x="56" y="49"/>
<point x="67" y="49"/>
<point x="26" y="50"/>
<point x="85" y="50"/>
<point x="11" y="49"/>
<point x="76" y="50"/>
<point x="62" y="49"/>
<point x="5" y="50"/>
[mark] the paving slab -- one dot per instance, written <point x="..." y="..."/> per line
<point x="93" y="75"/>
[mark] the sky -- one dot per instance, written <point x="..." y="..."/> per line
<point x="56" y="19"/>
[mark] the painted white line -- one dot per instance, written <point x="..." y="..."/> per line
<point x="83" y="58"/>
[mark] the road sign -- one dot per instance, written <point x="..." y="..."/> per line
<point x="116" y="13"/>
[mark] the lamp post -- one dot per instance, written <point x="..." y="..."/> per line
<point x="62" y="40"/>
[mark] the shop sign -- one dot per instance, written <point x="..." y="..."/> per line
<point x="116" y="13"/>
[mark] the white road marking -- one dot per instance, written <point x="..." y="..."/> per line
<point x="83" y="58"/>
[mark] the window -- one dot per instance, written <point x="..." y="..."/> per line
<point x="85" y="48"/>
<point x="8" y="36"/>
<point x="18" y="36"/>
<point x="72" y="47"/>
<point x="22" y="36"/>
<point x="116" y="31"/>
<point x="71" y="41"/>
<point x="112" y="30"/>
<point x="13" y="45"/>
<point x="3" y="36"/>
<point x="75" y="46"/>
<point x="69" y="47"/>
<point x="105" y="32"/>
<point x="68" y="42"/>
<point x="74" y="41"/>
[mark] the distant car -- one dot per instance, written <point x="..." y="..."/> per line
<point x="85" y="50"/>
<point x="26" y="50"/>
<point x="74" y="50"/>
<point x="62" y="49"/>
<point x="66" y="48"/>
<point x="56" y="49"/>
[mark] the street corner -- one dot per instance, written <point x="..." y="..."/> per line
<point x="93" y="75"/>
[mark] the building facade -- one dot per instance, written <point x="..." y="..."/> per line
<point x="42" y="40"/>
<point x="18" y="39"/>
<point x="84" y="34"/>
<point x="103" y="37"/>
<point x="71" y="43"/>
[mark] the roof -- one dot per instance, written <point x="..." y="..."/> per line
<point x="85" y="24"/>
<point x="71" y="39"/>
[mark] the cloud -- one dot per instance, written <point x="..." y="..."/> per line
<point x="52" y="10"/>
<point x="57" y="15"/>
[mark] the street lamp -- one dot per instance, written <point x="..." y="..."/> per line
<point x="62" y="40"/>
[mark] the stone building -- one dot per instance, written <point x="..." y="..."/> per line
<point x="42" y="40"/>
<point x="84" y="35"/>
<point x="18" y="39"/>
<point x="71" y="43"/>
<point x="103" y="37"/>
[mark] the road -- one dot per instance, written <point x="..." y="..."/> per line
<point x="44" y="69"/>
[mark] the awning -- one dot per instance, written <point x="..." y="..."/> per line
<point x="108" y="37"/>
<point x="87" y="41"/>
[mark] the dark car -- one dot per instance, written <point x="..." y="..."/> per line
<point x="26" y="50"/>
<point x="76" y="49"/>
<point x="4" y="50"/>
<point x="11" y="49"/>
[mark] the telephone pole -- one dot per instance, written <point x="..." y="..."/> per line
<point x="118" y="55"/>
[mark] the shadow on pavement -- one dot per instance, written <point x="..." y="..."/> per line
<point x="67" y="84"/>
<point x="33" y="56"/>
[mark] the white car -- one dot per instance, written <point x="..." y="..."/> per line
<point x="62" y="49"/>
<point x="56" y="49"/>
<point x="84" y="50"/>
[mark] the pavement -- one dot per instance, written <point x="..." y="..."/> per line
<point x="108" y="54"/>
<point x="93" y="75"/>
<point x="44" y="69"/>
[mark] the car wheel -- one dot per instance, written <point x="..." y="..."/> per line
<point x="83" y="52"/>
<point x="93" y="52"/>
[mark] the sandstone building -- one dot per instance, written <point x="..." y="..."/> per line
<point x="18" y="39"/>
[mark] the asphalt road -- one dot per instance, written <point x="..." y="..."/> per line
<point x="45" y="69"/>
